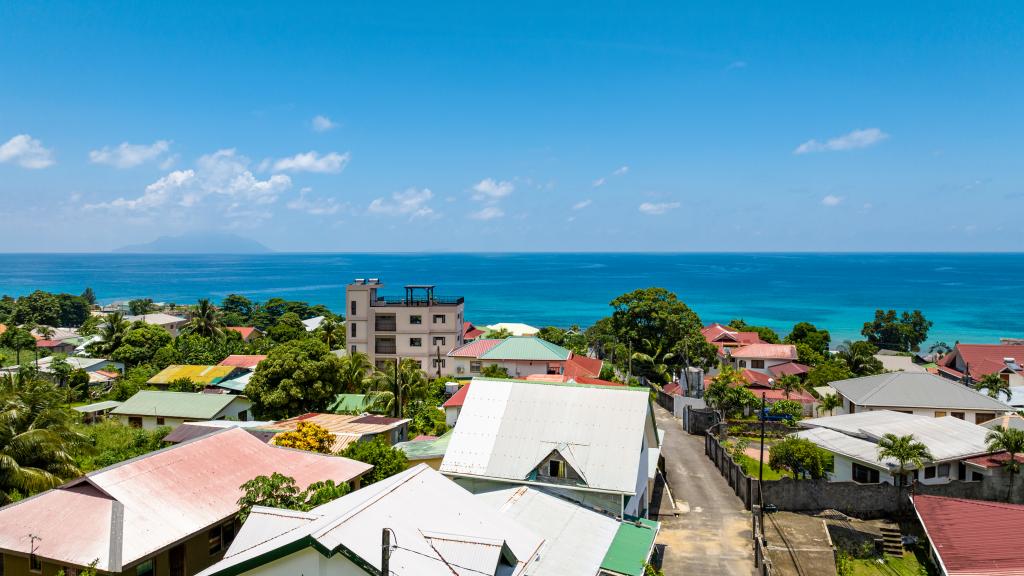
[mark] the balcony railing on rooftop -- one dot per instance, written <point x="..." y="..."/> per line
<point x="435" y="301"/>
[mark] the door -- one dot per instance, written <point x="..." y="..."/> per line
<point x="177" y="560"/>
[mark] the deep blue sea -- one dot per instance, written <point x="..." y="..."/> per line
<point x="970" y="297"/>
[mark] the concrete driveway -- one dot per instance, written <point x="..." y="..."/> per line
<point x="708" y="532"/>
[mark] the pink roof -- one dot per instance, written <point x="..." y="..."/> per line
<point x="716" y="333"/>
<point x="475" y="348"/>
<point x="984" y="359"/>
<point x="766" y="352"/>
<point x="994" y="460"/>
<point x="789" y="369"/>
<point x="672" y="388"/>
<point x="457" y="399"/>
<point x="755" y="378"/>
<point x="973" y="537"/>
<point x="167" y="496"/>
<point x="583" y="366"/>
<point x="47" y="343"/>
<point x="245" y="331"/>
<point x="775" y="394"/>
<point x="243" y="361"/>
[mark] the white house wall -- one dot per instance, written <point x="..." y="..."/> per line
<point x="308" y="562"/>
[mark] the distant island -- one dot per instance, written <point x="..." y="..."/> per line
<point x="197" y="243"/>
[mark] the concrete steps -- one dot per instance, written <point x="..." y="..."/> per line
<point x="892" y="541"/>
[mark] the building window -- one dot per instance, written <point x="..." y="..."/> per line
<point x="437" y="362"/>
<point x="757" y="363"/>
<point x="353" y="348"/>
<point x="556" y="469"/>
<point x="864" y="475"/>
<point x="943" y="471"/>
<point x="416" y="319"/>
<point x="940" y="413"/>
<point x="135" y="421"/>
<point x="415" y="342"/>
<point x="352" y="329"/>
<point x="982" y="417"/>
<point x="438" y="340"/>
<point x="352" y="308"/>
<point x="439" y="319"/>
<point x="221" y="537"/>
<point x="476" y="366"/>
<point x="977" y="476"/>
<point x="959" y="415"/>
<point x="70" y="571"/>
<point x="34" y="565"/>
<point x="929" y="472"/>
<point x="159" y="421"/>
<point x="145" y="569"/>
<point x="743" y="363"/>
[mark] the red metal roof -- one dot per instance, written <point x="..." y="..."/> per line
<point x="457" y="399"/>
<point x="973" y="537"/>
<point x="475" y="348"/>
<point x="168" y="495"/>
<point x="755" y="378"/>
<point x="789" y="369"/>
<point x="47" y="343"/>
<point x="243" y="360"/>
<point x="245" y="331"/>
<point x="718" y="334"/>
<point x="775" y="394"/>
<point x="766" y="351"/>
<point x="582" y="366"/>
<point x="993" y="460"/>
<point x="984" y="359"/>
<point x="470" y="332"/>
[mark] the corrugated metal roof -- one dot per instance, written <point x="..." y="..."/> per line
<point x="97" y="406"/>
<point x="166" y="496"/>
<point x="347" y="428"/>
<point x="766" y="351"/>
<point x="973" y="537"/>
<point x="526" y="348"/>
<point x="915" y="390"/>
<point x="349" y="403"/>
<point x="631" y="548"/>
<point x="159" y="319"/>
<point x="426" y="449"/>
<point x="506" y="427"/>
<point x="475" y="348"/>
<point x="195" y="373"/>
<point x="249" y="361"/>
<point x="236" y="384"/>
<point x="1005" y="421"/>
<point x="845" y="445"/>
<point x="177" y="404"/>
<point x="576" y="539"/>
<point x="418" y="505"/>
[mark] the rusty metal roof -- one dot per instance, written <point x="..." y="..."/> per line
<point x="127" y="512"/>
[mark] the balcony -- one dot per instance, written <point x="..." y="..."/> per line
<point x="433" y="301"/>
<point x="385" y="324"/>
<point x="385" y="346"/>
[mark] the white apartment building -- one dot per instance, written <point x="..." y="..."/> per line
<point x="418" y="325"/>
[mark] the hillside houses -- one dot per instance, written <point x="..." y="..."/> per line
<point x="521" y="356"/>
<point x="917" y="393"/>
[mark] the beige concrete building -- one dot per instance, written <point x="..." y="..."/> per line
<point x="418" y="325"/>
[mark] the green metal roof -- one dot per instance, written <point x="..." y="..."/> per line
<point x="426" y="449"/>
<point x="631" y="547"/>
<point x="175" y="404"/>
<point x="526" y="348"/>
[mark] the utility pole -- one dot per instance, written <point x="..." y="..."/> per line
<point x="398" y="389"/>
<point x="385" y="551"/>
<point x="760" y="469"/>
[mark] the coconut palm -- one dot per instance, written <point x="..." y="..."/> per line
<point x="1011" y="441"/>
<point x="17" y="339"/>
<point x="355" y="372"/>
<point x="406" y="381"/>
<point x="204" y="320"/>
<point x="789" y="384"/>
<point x="36" y="442"/>
<point x="904" y="450"/>
<point x="331" y="332"/>
<point x="994" y="386"/>
<point x="111" y="332"/>
<point x="830" y="402"/>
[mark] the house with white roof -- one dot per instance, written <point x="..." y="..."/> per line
<point x="173" y="324"/>
<point x="588" y="443"/>
<point x="918" y="393"/>
<point x="434" y="527"/>
<point x="853" y="441"/>
<point x="169" y="512"/>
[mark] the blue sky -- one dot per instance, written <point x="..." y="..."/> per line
<point x="519" y="126"/>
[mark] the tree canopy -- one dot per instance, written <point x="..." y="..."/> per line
<point x="280" y="491"/>
<point x="308" y="436"/>
<point x="297" y="377"/>
<point x="904" y="332"/>
<point x="386" y="459"/>
<point x="763" y="332"/>
<point x="806" y="333"/>
<point x="800" y="456"/>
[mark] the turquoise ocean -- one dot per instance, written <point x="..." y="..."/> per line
<point x="970" y="297"/>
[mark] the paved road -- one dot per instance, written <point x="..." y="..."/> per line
<point x="711" y="534"/>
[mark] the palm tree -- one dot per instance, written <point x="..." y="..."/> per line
<point x="406" y="381"/>
<point x="204" y="320"/>
<point x="904" y="450"/>
<point x="355" y="372"/>
<point x="1011" y="441"/>
<point x="331" y="332"/>
<point x="17" y="339"/>
<point x="788" y="384"/>
<point x="111" y="332"/>
<point x="36" y="442"/>
<point x="994" y="386"/>
<point x="830" y="402"/>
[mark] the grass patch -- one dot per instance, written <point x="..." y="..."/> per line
<point x="750" y="467"/>
<point x="908" y="565"/>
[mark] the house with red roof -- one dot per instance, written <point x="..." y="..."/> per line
<point x="762" y="357"/>
<point x="246" y="361"/>
<point x="522" y="356"/>
<point x="247" y="332"/>
<point x="471" y="332"/>
<point x="971" y="362"/>
<point x="972" y="537"/>
<point x="726" y="338"/>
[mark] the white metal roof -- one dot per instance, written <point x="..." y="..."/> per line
<point x="839" y="443"/>
<point x="157" y="318"/>
<point x="915" y="390"/>
<point x="439" y="527"/>
<point x="506" y="427"/>
<point x="852" y="423"/>
<point x="515" y="328"/>
<point x="313" y="323"/>
<point x="576" y="539"/>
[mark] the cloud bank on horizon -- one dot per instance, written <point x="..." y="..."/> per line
<point x="660" y="129"/>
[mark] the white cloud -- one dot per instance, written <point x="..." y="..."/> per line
<point x="127" y="155"/>
<point x="223" y="175"/>
<point x="312" y="161"/>
<point x="620" y="171"/>
<point x="491" y="190"/>
<point x="411" y="202"/>
<point x="831" y="200"/>
<point x="856" y="139"/>
<point x="657" y="208"/>
<point x="487" y="213"/>
<point x="27" y="152"/>
<point x="581" y="204"/>
<point x="323" y="124"/>
<point x="599" y="182"/>
<point x="314" y="207"/>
